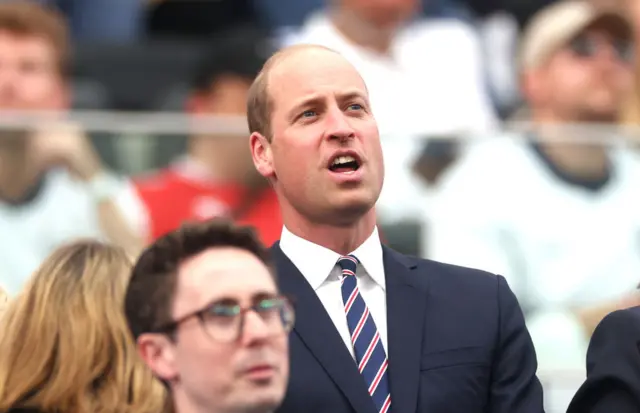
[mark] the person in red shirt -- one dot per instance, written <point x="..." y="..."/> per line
<point x="216" y="177"/>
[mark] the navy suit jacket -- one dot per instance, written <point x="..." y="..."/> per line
<point x="457" y="343"/>
<point x="613" y="367"/>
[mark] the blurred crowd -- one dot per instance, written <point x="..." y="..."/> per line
<point x="509" y="131"/>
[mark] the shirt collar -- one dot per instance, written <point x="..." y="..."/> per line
<point x="315" y="262"/>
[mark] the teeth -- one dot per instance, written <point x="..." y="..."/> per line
<point x="343" y="159"/>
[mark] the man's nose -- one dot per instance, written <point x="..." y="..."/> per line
<point x="338" y="125"/>
<point x="255" y="328"/>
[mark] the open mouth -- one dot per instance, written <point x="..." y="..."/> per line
<point x="344" y="164"/>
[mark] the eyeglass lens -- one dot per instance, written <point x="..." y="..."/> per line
<point x="587" y="47"/>
<point x="223" y="321"/>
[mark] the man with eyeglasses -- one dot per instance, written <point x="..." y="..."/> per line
<point x="204" y="308"/>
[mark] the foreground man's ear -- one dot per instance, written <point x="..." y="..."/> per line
<point x="261" y="154"/>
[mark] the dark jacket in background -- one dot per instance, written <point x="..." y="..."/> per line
<point x="613" y="367"/>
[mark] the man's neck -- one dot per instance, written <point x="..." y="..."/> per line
<point x="587" y="162"/>
<point x="362" y="32"/>
<point x="17" y="175"/>
<point x="342" y="239"/>
<point x="582" y="160"/>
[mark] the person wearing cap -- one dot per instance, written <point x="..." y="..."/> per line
<point x="559" y="219"/>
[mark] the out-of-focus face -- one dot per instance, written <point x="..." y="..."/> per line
<point x="29" y="75"/>
<point x="383" y="13"/>
<point x="226" y="97"/>
<point x="222" y="362"/>
<point x="588" y="79"/>
<point x="325" y="157"/>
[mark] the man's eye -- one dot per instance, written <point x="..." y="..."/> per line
<point x="268" y="304"/>
<point x="225" y="310"/>
<point x="355" y="106"/>
<point x="308" y="113"/>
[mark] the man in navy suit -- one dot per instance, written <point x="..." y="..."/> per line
<point x="613" y="367"/>
<point x="376" y="331"/>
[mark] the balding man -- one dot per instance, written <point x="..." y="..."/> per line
<point x="376" y="331"/>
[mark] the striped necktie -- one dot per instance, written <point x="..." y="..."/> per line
<point x="370" y="355"/>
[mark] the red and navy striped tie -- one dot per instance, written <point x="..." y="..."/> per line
<point x="370" y="354"/>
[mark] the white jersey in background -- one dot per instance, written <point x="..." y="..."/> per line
<point x="61" y="211"/>
<point x="559" y="244"/>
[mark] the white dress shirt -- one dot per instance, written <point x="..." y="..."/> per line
<point x="319" y="266"/>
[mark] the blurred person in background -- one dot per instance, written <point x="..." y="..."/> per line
<point x="425" y="77"/>
<point x="53" y="186"/>
<point x="65" y="346"/>
<point x="204" y="307"/>
<point x="561" y="220"/>
<point x="631" y="111"/>
<point x="216" y="177"/>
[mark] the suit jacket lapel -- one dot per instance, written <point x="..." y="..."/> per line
<point x="406" y="305"/>
<point x="316" y="330"/>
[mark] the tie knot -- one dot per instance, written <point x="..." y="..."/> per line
<point x="348" y="263"/>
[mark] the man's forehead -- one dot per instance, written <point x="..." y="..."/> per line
<point x="311" y="61"/>
<point x="210" y="270"/>
<point x="217" y="260"/>
<point x="308" y="72"/>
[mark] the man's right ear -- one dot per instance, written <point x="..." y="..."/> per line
<point x="158" y="354"/>
<point x="261" y="154"/>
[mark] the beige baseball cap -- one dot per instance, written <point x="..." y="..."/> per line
<point x="555" y="25"/>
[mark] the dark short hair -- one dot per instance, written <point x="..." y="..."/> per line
<point x="151" y="290"/>
<point x="239" y="52"/>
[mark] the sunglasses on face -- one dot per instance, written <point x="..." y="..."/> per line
<point x="587" y="47"/>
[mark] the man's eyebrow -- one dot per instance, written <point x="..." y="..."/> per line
<point x="319" y="99"/>
<point x="263" y="295"/>
<point x="257" y="296"/>
<point x="350" y="95"/>
<point x="314" y="100"/>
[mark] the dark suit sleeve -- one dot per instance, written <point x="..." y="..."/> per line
<point x="613" y="367"/>
<point x="515" y="387"/>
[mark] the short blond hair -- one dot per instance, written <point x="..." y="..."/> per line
<point x="259" y="102"/>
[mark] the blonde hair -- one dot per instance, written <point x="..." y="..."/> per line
<point x="65" y="346"/>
